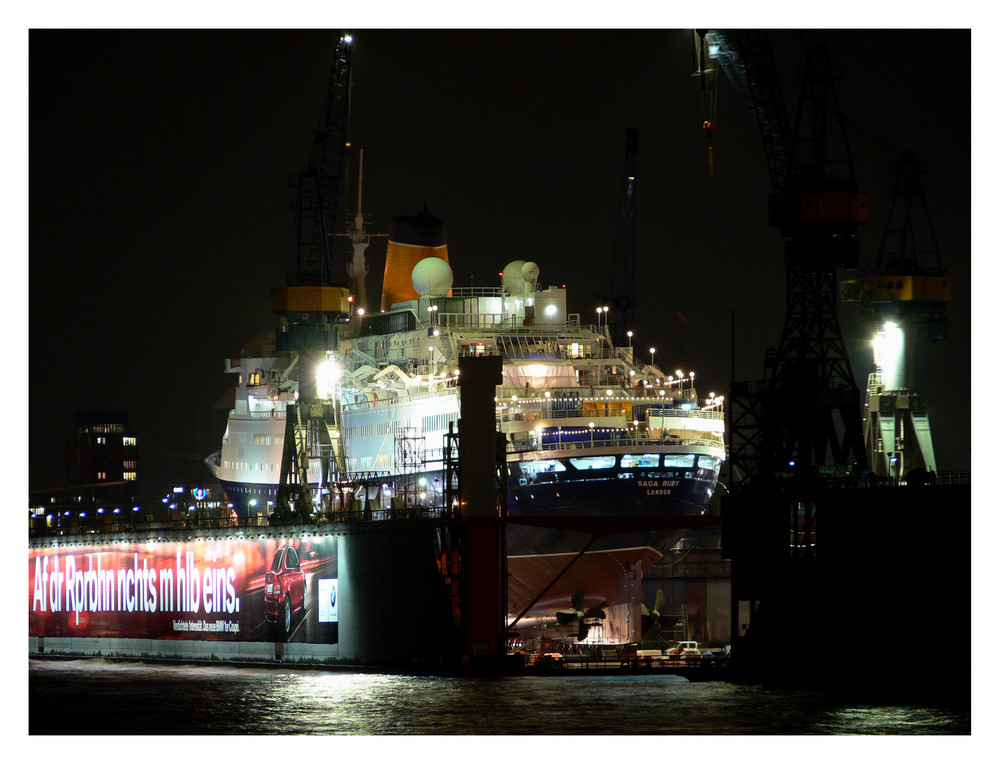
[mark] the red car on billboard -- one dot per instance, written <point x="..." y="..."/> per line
<point x="284" y="588"/>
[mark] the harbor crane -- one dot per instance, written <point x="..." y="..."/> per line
<point x="906" y="292"/>
<point x="806" y="410"/>
<point x="315" y="303"/>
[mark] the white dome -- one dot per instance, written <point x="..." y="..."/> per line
<point x="432" y="277"/>
<point x="529" y="271"/>
<point x="513" y="281"/>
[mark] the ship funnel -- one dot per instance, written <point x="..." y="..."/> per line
<point x="413" y="238"/>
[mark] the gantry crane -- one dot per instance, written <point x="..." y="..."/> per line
<point x="806" y="409"/>
<point x="906" y="292"/>
<point x="315" y="301"/>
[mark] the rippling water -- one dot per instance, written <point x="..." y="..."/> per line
<point x="99" y="697"/>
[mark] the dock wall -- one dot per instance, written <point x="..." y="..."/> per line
<point x="372" y="594"/>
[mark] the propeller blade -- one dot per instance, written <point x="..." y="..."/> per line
<point x="646" y="623"/>
<point x="577" y="600"/>
<point x="582" y="635"/>
<point x="666" y="621"/>
<point x="661" y="601"/>
<point x="596" y="612"/>
<point x="644" y="610"/>
<point x="565" y="618"/>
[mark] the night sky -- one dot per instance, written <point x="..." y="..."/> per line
<point x="159" y="206"/>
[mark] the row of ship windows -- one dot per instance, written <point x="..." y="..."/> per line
<point x="628" y="461"/>
<point x="429" y="424"/>
<point x="126" y="441"/>
<point x="260" y="438"/>
<point x="231" y="464"/>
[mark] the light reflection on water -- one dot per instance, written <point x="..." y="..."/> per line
<point x="136" y="698"/>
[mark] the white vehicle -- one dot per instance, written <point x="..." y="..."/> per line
<point x="683" y="650"/>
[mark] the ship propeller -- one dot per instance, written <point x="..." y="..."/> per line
<point x="649" y="617"/>
<point x="580" y="615"/>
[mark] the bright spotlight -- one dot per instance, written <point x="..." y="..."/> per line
<point x="889" y="347"/>
<point x="327" y="375"/>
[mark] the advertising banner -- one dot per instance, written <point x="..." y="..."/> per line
<point x="214" y="589"/>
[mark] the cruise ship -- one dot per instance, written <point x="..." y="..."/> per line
<point x="589" y="428"/>
<point x="606" y="454"/>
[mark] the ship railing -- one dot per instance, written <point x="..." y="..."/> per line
<point x="380" y="398"/>
<point x="671" y="400"/>
<point x="957" y="477"/>
<point x="541" y="408"/>
<point x="270" y="414"/>
<point x="477" y="291"/>
<point x="507" y="415"/>
<point x="507" y="324"/>
<point x="586" y="352"/>
<point x="668" y="413"/>
<point x="623" y="440"/>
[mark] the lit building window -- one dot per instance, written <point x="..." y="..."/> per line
<point x="128" y="441"/>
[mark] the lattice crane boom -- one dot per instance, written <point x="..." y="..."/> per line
<point x="318" y="185"/>
<point x="791" y="417"/>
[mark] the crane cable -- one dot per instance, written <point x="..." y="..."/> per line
<point x="707" y="69"/>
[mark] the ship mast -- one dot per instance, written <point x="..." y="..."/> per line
<point x="357" y="267"/>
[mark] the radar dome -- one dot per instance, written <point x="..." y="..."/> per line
<point x="513" y="281"/>
<point x="529" y="271"/>
<point x="432" y="277"/>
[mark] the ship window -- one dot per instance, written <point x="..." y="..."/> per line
<point x="678" y="460"/>
<point x="640" y="460"/>
<point x="593" y="462"/>
<point x="533" y="469"/>
<point x="708" y="462"/>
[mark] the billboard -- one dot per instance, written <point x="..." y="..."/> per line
<point x="208" y="589"/>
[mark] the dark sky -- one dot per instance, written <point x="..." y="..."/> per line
<point x="159" y="212"/>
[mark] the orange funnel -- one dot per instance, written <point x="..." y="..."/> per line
<point x="413" y="238"/>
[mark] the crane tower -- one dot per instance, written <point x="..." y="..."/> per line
<point x="315" y="302"/>
<point x="806" y="410"/>
<point x="906" y="293"/>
